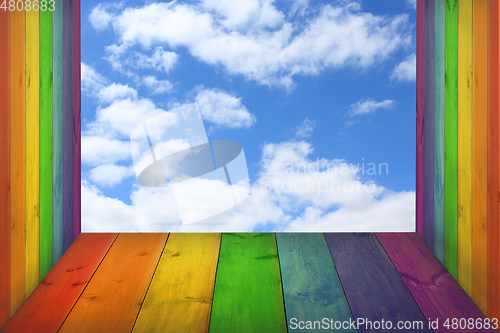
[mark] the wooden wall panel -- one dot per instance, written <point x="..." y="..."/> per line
<point x="77" y="216"/>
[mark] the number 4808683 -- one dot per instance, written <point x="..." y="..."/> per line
<point x="28" y="5"/>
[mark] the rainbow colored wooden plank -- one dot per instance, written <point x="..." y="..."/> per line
<point x="181" y="291"/>
<point x="430" y="283"/>
<point x="4" y="171"/>
<point x="430" y="8"/>
<point x="77" y="166"/>
<point x="17" y="160"/>
<point x="248" y="294"/>
<point x="420" y="100"/>
<point x="45" y="142"/>
<point x="451" y="139"/>
<point x="311" y="286"/>
<point x="50" y="303"/>
<point x="32" y="190"/>
<point x="439" y="128"/>
<point x="479" y="282"/>
<point x="373" y="287"/>
<point x="493" y="161"/>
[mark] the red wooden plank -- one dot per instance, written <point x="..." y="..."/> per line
<point x="4" y="170"/>
<point x="420" y="117"/>
<point x="48" y="305"/>
<point x="437" y="293"/>
<point x="77" y="166"/>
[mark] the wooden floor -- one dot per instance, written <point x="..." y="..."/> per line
<point x="261" y="283"/>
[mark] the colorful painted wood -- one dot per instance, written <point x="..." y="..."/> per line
<point x="248" y="293"/>
<point x="420" y="100"/>
<point x="311" y="287"/>
<point x="430" y="283"/>
<point x="373" y="287"/>
<point x="50" y="303"/>
<point x="119" y="286"/>
<point x="181" y="291"/>
<point x="77" y="120"/>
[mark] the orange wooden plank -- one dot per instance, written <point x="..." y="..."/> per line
<point x="114" y="296"/>
<point x="4" y="170"/>
<point x="50" y="302"/>
<point x="17" y="161"/>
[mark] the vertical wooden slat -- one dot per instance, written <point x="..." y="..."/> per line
<point x="57" y="132"/>
<point x="181" y="291"/>
<point x="465" y="144"/>
<point x="67" y="124"/>
<point x="419" y="186"/>
<point x="45" y="142"/>
<point x="248" y="295"/>
<point x="4" y="171"/>
<point x="76" y="120"/>
<point x="451" y="139"/>
<point x="17" y="160"/>
<point x="439" y="130"/>
<point x="430" y="8"/>
<point x="493" y="162"/>
<point x="32" y="150"/>
<point x="480" y="155"/>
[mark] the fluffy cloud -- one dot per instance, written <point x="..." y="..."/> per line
<point x="252" y="38"/>
<point x="109" y="174"/>
<point x="223" y="109"/>
<point x="306" y="128"/>
<point x="101" y="150"/>
<point x="157" y="87"/>
<point x="100" y="18"/>
<point x="116" y="91"/>
<point x="406" y="70"/>
<point x="369" y="105"/>
<point x="92" y="81"/>
<point x="412" y="3"/>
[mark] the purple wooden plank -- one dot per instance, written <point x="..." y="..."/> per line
<point x="419" y="218"/>
<point x="373" y="287"/>
<point x="77" y="166"/>
<point x="437" y="293"/>
<point x="67" y="124"/>
<point x="430" y="8"/>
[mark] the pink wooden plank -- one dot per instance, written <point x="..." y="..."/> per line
<point x="420" y="116"/>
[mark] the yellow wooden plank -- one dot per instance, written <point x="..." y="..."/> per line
<point x="465" y="144"/>
<point x="32" y="150"/>
<point x="180" y="296"/>
<point x="17" y="160"/>
<point x="480" y="156"/>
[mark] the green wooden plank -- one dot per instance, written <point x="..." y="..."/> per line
<point x="57" y="132"/>
<point x="311" y="286"/>
<point x="439" y="59"/>
<point x="248" y="295"/>
<point x="45" y="142"/>
<point x="451" y="139"/>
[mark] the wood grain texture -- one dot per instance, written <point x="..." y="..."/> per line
<point x="113" y="298"/>
<point x="493" y="162"/>
<point x="45" y="142"/>
<point x="4" y="171"/>
<point x="430" y="8"/>
<point x="77" y="165"/>
<point x="57" y="131"/>
<point x="480" y="155"/>
<point x="465" y="145"/>
<point x="373" y="287"/>
<point x="430" y="283"/>
<point x="248" y="294"/>
<point x="67" y="129"/>
<point x="420" y="99"/>
<point x="17" y="161"/>
<point x="181" y="291"/>
<point x="48" y="305"/>
<point x="439" y="128"/>
<point x="32" y="150"/>
<point x="451" y="140"/>
<point x="311" y="286"/>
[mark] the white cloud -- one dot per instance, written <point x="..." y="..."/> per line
<point x="258" y="42"/>
<point x="92" y="81"/>
<point x="306" y="128"/>
<point x="101" y="150"/>
<point x="369" y="105"/>
<point x="116" y="91"/>
<point x="157" y="87"/>
<point x="100" y="18"/>
<point x="110" y="174"/>
<point x="406" y="70"/>
<point x="223" y="109"/>
<point x="412" y="3"/>
<point x="160" y="60"/>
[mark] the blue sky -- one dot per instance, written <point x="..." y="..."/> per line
<point x="293" y="81"/>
